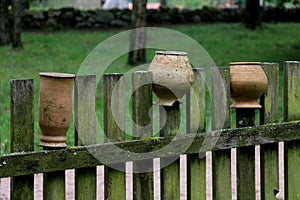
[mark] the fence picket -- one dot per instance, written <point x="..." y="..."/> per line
<point x="270" y="99"/>
<point x="291" y="112"/>
<point x="142" y="127"/>
<point x="221" y="160"/>
<point x="245" y="158"/>
<point x="54" y="185"/>
<point x="196" y="184"/>
<point x="114" y="126"/>
<point x="170" y="175"/>
<point x="269" y="152"/>
<point x="22" y="132"/>
<point x="85" y="133"/>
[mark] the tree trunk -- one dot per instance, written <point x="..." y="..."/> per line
<point x="17" y="24"/>
<point x="252" y="14"/>
<point x="5" y="38"/>
<point x="137" y="54"/>
<point x="163" y="3"/>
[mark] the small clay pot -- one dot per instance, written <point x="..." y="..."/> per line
<point x="248" y="82"/>
<point x="172" y="76"/>
<point x="55" y="108"/>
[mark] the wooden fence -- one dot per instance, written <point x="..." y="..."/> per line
<point x="23" y="161"/>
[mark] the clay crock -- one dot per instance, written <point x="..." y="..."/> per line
<point x="172" y="76"/>
<point x="55" y="108"/>
<point x="248" y="82"/>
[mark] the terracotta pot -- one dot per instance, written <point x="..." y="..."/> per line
<point x="55" y="108"/>
<point x="172" y="76"/>
<point x="248" y="82"/>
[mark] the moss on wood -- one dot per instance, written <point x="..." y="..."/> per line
<point x="16" y="164"/>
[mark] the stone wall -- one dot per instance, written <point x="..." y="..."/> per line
<point x="63" y="18"/>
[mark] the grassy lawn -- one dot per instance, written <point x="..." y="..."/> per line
<point x="65" y="51"/>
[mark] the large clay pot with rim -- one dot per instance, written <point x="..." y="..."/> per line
<point x="248" y="82"/>
<point x="55" y="108"/>
<point x="172" y="76"/>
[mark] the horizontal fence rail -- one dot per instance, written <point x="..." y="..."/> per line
<point x="78" y="157"/>
<point x="228" y="152"/>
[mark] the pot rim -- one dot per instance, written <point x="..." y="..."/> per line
<point x="175" y="53"/>
<point x="245" y="63"/>
<point x="56" y="75"/>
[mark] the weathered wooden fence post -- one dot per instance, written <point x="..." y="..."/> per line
<point x="54" y="184"/>
<point x="220" y="114"/>
<point x="269" y="152"/>
<point x="114" y="126"/>
<point x="170" y="175"/>
<point x="291" y="112"/>
<point x="196" y="116"/>
<point x="270" y="99"/>
<point x="85" y="133"/>
<point x="142" y="127"/>
<point x="247" y="83"/>
<point x="22" y="132"/>
<point x="245" y="158"/>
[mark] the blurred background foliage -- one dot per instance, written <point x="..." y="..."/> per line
<point x="193" y="4"/>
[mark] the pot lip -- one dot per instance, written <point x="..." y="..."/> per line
<point x="56" y="75"/>
<point x="175" y="53"/>
<point x="245" y="63"/>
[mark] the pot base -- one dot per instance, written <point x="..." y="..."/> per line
<point x="166" y="102"/>
<point x="245" y="103"/>
<point x="53" y="145"/>
<point x="53" y="141"/>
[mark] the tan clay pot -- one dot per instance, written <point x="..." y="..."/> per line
<point x="248" y="82"/>
<point x="55" y="108"/>
<point x="172" y="76"/>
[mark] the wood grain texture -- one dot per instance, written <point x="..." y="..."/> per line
<point x="85" y="133"/>
<point x="245" y="117"/>
<point x="270" y="99"/>
<point x="221" y="160"/>
<point x="170" y="175"/>
<point x="142" y="127"/>
<point x="291" y="112"/>
<point x="22" y="132"/>
<point x="196" y="117"/>
<point x="114" y="126"/>
<point x="269" y="152"/>
<point x="54" y="185"/>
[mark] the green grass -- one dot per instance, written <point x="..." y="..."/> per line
<point x="65" y="51"/>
